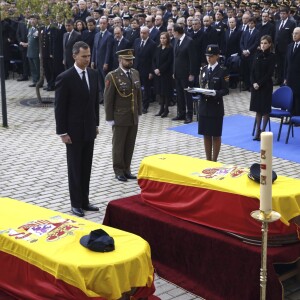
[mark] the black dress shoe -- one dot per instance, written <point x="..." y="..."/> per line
<point x="32" y="85"/>
<point x="245" y="89"/>
<point x="50" y="89"/>
<point x="121" y="178"/>
<point x="22" y="79"/>
<point x="179" y="118"/>
<point x="45" y="88"/>
<point x="129" y="176"/>
<point x="91" y="207"/>
<point x="188" y="120"/>
<point x="164" y="114"/>
<point x="145" y="110"/>
<point x="77" y="211"/>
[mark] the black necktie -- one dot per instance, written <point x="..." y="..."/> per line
<point x="128" y="75"/>
<point x="281" y="25"/>
<point x="209" y="72"/>
<point x="231" y="31"/>
<point x="67" y="38"/>
<point x="295" y="47"/>
<point x="142" y="45"/>
<point x="177" y="45"/>
<point x="86" y="87"/>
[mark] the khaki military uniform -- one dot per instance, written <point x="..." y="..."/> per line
<point x="123" y="105"/>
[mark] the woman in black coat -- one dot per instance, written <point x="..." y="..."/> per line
<point x="261" y="84"/>
<point x="162" y="65"/>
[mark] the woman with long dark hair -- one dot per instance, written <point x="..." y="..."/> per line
<point x="262" y="84"/>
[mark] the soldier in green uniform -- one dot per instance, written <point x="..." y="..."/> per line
<point x="123" y="106"/>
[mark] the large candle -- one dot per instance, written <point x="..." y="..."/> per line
<point x="266" y="147"/>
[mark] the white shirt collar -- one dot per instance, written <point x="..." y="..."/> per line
<point x="213" y="66"/>
<point x="79" y="71"/>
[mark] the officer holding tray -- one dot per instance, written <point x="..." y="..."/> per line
<point x="214" y="85"/>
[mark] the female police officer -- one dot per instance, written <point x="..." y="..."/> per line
<point x="211" y="107"/>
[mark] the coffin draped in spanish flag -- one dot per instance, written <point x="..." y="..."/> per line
<point x="215" y="195"/>
<point x="41" y="257"/>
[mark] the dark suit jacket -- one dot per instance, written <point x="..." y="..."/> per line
<point x="198" y="43"/>
<point x="77" y="113"/>
<point x="143" y="57"/>
<point x="221" y="29"/>
<point x="102" y="51"/>
<point x="249" y="42"/>
<point x="291" y="71"/>
<point x="185" y="62"/>
<point x="67" y="47"/>
<point x="210" y="36"/>
<point x="132" y="35"/>
<point x="267" y="29"/>
<point x="283" y="37"/>
<point x="124" y="44"/>
<point x="21" y="34"/>
<point x="232" y="43"/>
<point x="89" y="37"/>
<point x="154" y="35"/>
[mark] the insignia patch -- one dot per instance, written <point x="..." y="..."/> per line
<point x="226" y="78"/>
<point x="107" y="83"/>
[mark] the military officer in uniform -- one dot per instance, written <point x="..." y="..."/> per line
<point x="123" y="106"/>
<point x="211" y="108"/>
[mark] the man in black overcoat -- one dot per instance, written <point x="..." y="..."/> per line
<point x="283" y="37"/>
<point x="77" y="121"/>
<point x="292" y="74"/>
<point x="144" y="49"/>
<point x="184" y="70"/>
<point x="69" y="39"/>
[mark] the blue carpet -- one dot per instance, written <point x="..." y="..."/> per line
<point x="237" y="130"/>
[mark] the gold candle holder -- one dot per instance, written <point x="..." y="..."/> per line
<point x="265" y="217"/>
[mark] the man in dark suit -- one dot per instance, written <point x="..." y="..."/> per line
<point x="83" y="12"/>
<point x="57" y="52"/>
<point x="120" y="43"/>
<point x="88" y="36"/>
<point x="33" y="51"/>
<point x="77" y="121"/>
<point x="248" y="46"/>
<point x="144" y="50"/>
<point x="102" y="56"/>
<point x="122" y="112"/>
<point x="46" y="54"/>
<point x="197" y="36"/>
<point x="283" y="37"/>
<point x="210" y="36"/>
<point x="292" y="74"/>
<point x="21" y="35"/>
<point x="134" y="33"/>
<point x="232" y="51"/>
<point x="69" y="39"/>
<point x="154" y="33"/>
<point x="266" y="27"/>
<point x="159" y="24"/>
<point x="185" y="69"/>
<point x="221" y="29"/>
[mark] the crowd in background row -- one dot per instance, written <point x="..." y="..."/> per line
<point x="109" y="26"/>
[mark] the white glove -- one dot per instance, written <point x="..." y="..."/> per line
<point x="110" y="123"/>
<point x="213" y="93"/>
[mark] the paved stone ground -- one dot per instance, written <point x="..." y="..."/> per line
<point x="33" y="162"/>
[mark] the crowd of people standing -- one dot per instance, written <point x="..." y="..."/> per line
<point x="169" y="40"/>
